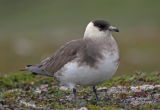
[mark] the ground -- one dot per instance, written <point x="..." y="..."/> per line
<point x="135" y="91"/>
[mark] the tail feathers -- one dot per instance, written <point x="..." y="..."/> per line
<point x="28" y="65"/>
<point x="37" y="70"/>
<point x="25" y="69"/>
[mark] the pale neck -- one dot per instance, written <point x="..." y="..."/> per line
<point x="97" y="36"/>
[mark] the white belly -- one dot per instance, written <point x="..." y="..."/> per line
<point x="84" y="75"/>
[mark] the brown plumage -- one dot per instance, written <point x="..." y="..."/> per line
<point x="86" y="50"/>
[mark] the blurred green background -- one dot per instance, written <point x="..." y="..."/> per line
<point x="30" y="30"/>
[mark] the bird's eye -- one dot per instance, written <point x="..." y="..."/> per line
<point x="101" y="26"/>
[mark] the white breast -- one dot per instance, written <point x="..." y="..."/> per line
<point x="85" y="75"/>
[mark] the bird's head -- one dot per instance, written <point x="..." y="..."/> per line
<point x="99" y="28"/>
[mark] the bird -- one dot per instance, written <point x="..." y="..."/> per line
<point x="88" y="61"/>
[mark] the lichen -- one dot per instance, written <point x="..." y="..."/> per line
<point x="139" y="90"/>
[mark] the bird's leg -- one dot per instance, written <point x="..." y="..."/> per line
<point x="74" y="93"/>
<point x="95" y="92"/>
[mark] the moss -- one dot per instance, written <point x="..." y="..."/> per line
<point x="137" y="78"/>
<point x="93" y="107"/>
<point x="29" y="88"/>
<point x="110" y="107"/>
<point x="21" y="79"/>
<point x="15" y="80"/>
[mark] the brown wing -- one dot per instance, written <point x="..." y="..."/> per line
<point x="65" y="54"/>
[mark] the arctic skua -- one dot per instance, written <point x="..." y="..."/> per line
<point x="89" y="61"/>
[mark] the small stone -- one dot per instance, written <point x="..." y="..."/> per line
<point x="83" y="108"/>
<point x="158" y="74"/>
<point x="102" y="89"/>
<point x="64" y="88"/>
<point x="42" y="88"/>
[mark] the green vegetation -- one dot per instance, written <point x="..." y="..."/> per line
<point x="135" y="91"/>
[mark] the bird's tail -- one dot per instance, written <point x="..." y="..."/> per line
<point x="36" y="70"/>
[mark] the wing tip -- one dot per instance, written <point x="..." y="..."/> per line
<point x="28" y="65"/>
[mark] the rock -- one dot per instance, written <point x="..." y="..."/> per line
<point x="64" y="88"/>
<point x="83" y="108"/>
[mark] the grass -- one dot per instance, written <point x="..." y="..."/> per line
<point x="21" y="90"/>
